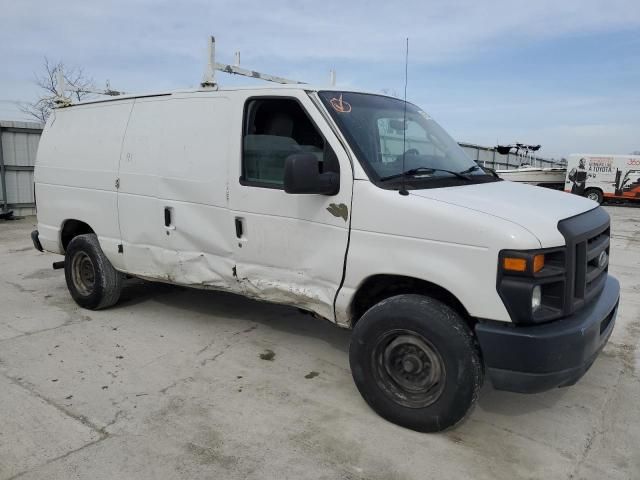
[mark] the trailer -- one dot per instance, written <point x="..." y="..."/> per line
<point x="600" y="177"/>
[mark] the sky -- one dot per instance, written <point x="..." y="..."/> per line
<point x="561" y="73"/>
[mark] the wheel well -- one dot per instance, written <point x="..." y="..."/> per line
<point x="73" y="228"/>
<point x="378" y="287"/>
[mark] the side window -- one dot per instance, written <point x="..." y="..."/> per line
<point x="275" y="128"/>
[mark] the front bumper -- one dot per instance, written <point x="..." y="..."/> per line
<point x="530" y="359"/>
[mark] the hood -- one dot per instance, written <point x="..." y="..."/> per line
<point x="536" y="209"/>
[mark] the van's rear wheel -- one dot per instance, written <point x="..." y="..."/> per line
<point x="91" y="279"/>
<point x="594" y="194"/>
<point x="416" y="363"/>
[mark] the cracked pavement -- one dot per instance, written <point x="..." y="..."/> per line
<point x="180" y="383"/>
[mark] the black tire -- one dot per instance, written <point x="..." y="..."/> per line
<point x="595" y="195"/>
<point x="416" y="363"/>
<point x="91" y="279"/>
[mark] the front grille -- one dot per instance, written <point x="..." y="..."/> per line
<point x="604" y="324"/>
<point x="597" y="267"/>
<point x="590" y="270"/>
<point x="587" y="236"/>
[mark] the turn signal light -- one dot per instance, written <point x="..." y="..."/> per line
<point x="538" y="263"/>
<point x="514" y="264"/>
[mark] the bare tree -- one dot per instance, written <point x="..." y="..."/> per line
<point x="76" y="82"/>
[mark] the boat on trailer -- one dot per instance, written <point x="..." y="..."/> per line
<point x="550" y="177"/>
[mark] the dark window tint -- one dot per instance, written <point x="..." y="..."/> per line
<point x="274" y="129"/>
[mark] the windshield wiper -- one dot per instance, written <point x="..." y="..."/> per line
<point x="418" y="170"/>
<point x="472" y="168"/>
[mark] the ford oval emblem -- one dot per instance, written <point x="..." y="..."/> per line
<point x="602" y="259"/>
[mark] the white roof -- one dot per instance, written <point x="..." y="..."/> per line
<point x="298" y="86"/>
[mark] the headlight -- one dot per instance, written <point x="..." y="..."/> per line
<point x="536" y="298"/>
<point x="531" y="283"/>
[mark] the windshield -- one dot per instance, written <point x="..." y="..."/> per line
<point x="377" y="133"/>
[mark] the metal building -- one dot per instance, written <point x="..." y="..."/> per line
<point x="18" y="147"/>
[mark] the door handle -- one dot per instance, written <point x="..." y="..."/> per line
<point x="239" y="229"/>
<point x="168" y="218"/>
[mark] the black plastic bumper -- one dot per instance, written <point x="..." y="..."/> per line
<point x="36" y="240"/>
<point x="530" y="359"/>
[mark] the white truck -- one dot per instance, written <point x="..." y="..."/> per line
<point x="600" y="177"/>
<point x="308" y="197"/>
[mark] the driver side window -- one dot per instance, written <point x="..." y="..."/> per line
<point x="275" y="128"/>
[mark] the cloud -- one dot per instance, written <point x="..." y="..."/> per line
<point x="143" y="45"/>
<point x="166" y="39"/>
<point x="440" y="30"/>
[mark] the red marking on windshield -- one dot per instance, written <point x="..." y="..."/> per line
<point x="340" y="105"/>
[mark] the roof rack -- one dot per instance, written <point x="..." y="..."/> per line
<point x="61" y="100"/>
<point x="209" y="81"/>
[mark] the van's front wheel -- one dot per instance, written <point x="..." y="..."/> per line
<point x="91" y="279"/>
<point x="415" y="362"/>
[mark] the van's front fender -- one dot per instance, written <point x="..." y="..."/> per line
<point x="453" y="247"/>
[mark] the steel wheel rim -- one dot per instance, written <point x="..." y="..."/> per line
<point x="593" y="196"/>
<point x="83" y="273"/>
<point x="408" y="368"/>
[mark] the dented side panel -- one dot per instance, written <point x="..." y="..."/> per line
<point x="292" y="249"/>
<point x="175" y="158"/>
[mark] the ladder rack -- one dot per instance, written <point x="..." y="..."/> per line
<point x="209" y="77"/>
<point x="61" y="100"/>
<point x="208" y="81"/>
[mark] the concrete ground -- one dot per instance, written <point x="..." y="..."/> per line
<point x="178" y="383"/>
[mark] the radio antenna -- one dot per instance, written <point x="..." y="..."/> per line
<point x="403" y="187"/>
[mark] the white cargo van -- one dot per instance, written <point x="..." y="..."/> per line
<point x="337" y="203"/>
<point x="600" y="177"/>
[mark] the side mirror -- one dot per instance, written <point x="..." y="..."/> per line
<point x="302" y="175"/>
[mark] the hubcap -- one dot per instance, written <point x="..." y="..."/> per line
<point x="82" y="273"/>
<point x="593" y="196"/>
<point x="408" y="368"/>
